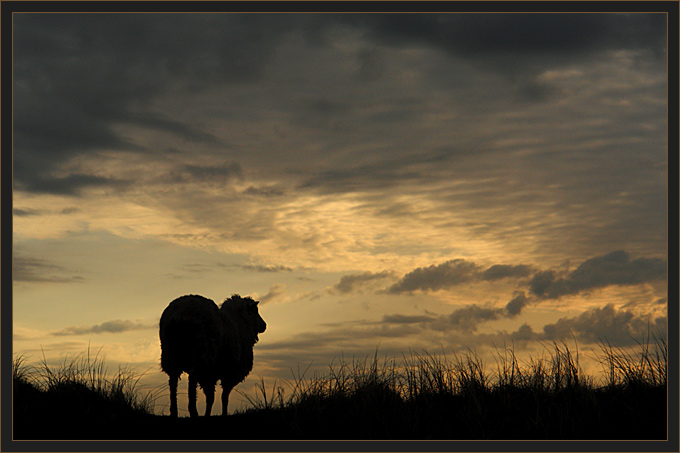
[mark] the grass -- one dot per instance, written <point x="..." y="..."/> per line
<point x="425" y="396"/>
<point x="418" y="396"/>
<point x="78" y="389"/>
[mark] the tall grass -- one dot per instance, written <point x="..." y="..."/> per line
<point x="420" y="375"/>
<point x="80" y="386"/>
<point x="417" y="396"/>
<point x="431" y="396"/>
<point x="647" y="367"/>
<point x="21" y="373"/>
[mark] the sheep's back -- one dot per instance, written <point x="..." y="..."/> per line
<point x="191" y="336"/>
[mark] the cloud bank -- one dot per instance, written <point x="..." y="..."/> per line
<point x="115" y="326"/>
<point x="615" y="268"/>
<point x="612" y="269"/>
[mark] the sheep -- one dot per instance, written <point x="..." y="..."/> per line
<point x="209" y="344"/>
<point x="241" y="323"/>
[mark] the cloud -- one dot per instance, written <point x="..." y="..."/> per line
<point x="500" y="271"/>
<point x="75" y="85"/>
<point x="407" y="319"/>
<point x="467" y="319"/>
<point x="116" y="326"/>
<point x="161" y="123"/>
<point x="517" y="304"/>
<point x="397" y="333"/>
<point x="264" y="268"/>
<point x="208" y="173"/>
<point x="265" y="191"/>
<point x="355" y="282"/>
<point x="615" y="268"/>
<point x="25" y="212"/>
<point x="69" y="185"/>
<point x="276" y="293"/>
<point x="387" y="109"/>
<point x="618" y="327"/>
<point x="436" y="277"/>
<point x="36" y="270"/>
<point x="453" y="273"/>
<point x="661" y="301"/>
<point x="519" y="35"/>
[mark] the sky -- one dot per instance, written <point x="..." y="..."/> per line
<point x="390" y="182"/>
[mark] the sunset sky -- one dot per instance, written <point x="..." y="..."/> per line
<point x="377" y="181"/>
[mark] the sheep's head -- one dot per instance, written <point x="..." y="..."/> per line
<point x="246" y="307"/>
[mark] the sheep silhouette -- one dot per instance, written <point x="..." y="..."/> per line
<point x="209" y="344"/>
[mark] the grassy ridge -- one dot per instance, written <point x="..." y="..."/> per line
<point x="419" y="396"/>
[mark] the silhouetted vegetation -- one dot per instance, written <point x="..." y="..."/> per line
<point x="418" y="396"/>
<point x="75" y="399"/>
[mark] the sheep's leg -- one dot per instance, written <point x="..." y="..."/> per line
<point x="209" y="391"/>
<point x="173" y="395"/>
<point x="226" y="389"/>
<point x="192" y="396"/>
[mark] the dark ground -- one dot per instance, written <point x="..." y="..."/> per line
<point x="518" y="414"/>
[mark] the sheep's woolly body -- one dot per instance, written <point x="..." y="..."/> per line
<point x="191" y="336"/>
<point x="209" y="344"/>
<point x="237" y="347"/>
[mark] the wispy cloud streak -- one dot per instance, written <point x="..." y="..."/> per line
<point x="115" y="326"/>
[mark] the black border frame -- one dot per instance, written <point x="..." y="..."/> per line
<point x="10" y="7"/>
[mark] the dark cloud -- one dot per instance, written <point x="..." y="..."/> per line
<point x="615" y="268"/>
<point x="189" y="270"/>
<point x="202" y="172"/>
<point x="453" y="273"/>
<point x="77" y="77"/>
<point x="609" y="325"/>
<point x="158" y="122"/>
<point x="379" y="106"/>
<point x="68" y="185"/>
<point x="361" y="177"/>
<point x="36" y="270"/>
<point x="216" y="174"/>
<point x="407" y="319"/>
<point x="25" y="212"/>
<point x="661" y="301"/>
<point x="467" y="319"/>
<point x="618" y="327"/>
<point x="518" y="36"/>
<point x="524" y="334"/>
<point x="500" y="271"/>
<point x="116" y="326"/>
<point x="354" y="282"/>
<point x="436" y="277"/>
<point x="517" y="304"/>
<point x="266" y="191"/>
